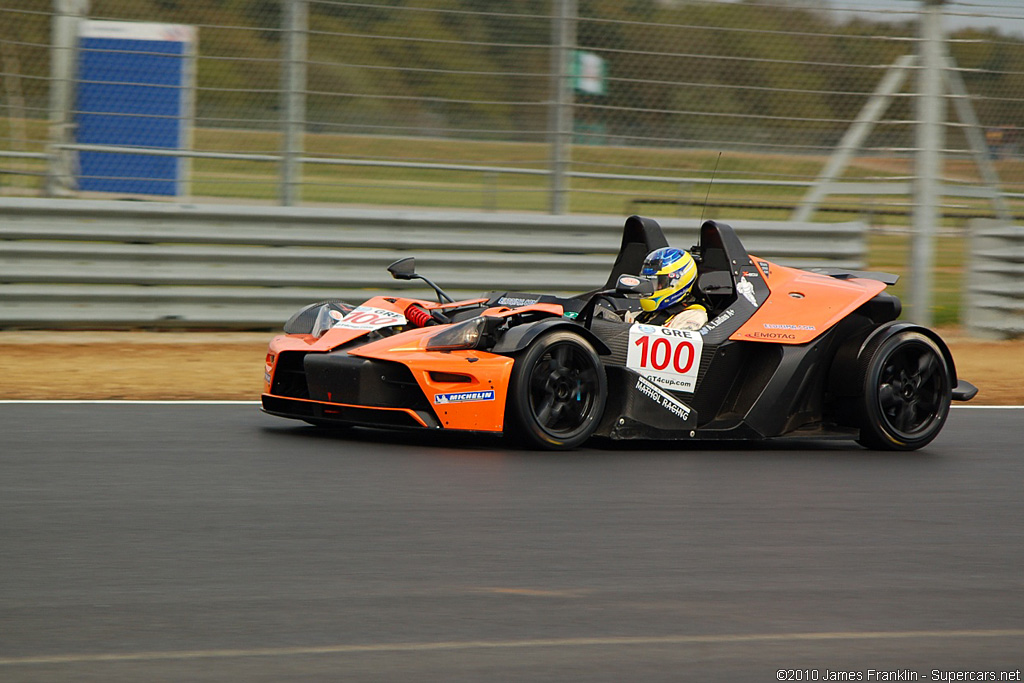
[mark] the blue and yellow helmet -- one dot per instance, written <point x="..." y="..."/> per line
<point x="673" y="272"/>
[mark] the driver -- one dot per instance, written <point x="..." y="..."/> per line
<point x="673" y="273"/>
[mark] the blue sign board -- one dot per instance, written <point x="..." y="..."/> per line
<point x="135" y="89"/>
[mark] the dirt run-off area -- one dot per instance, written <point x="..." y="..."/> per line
<point x="147" y="365"/>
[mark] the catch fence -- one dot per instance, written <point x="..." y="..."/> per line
<point x="906" y="115"/>
<point x="548" y="105"/>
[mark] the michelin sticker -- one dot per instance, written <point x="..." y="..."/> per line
<point x="463" y="397"/>
<point x="369" y="318"/>
<point x="667" y="357"/>
<point x="677" y="408"/>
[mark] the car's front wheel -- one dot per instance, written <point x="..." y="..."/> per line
<point x="906" y="393"/>
<point x="557" y="392"/>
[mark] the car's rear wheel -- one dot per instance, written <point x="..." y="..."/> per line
<point x="557" y="392"/>
<point x="906" y="393"/>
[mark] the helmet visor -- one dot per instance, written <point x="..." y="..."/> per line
<point x="666" y="280"/>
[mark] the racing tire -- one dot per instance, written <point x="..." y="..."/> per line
<point x="906" y="393"/>
<point x="557" y="393"/>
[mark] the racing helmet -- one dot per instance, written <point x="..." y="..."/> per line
<point x="673" y="272"/>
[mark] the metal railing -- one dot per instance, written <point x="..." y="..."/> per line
<point x="105" y="264"/>
<point x="994" y="297"/>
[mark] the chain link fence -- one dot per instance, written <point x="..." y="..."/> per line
<point x="543" y="105"/>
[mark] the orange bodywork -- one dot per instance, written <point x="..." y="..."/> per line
<point x="803" y="305"/>
<point x="480" y="376"/>
<point x="478" y="371"/>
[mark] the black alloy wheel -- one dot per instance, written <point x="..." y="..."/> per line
<point x="557" y="392"/>
<point x="907" y="392"/>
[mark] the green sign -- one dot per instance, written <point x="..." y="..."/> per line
<point x="588" y="73"/>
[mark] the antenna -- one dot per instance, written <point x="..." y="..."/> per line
<point x="710" y="183"/>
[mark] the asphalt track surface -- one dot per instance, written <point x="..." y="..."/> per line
<point x="213" y="543"/>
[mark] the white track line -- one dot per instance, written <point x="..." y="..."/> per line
<point x="722" y="639"/>
<point x="118" y="401"/>
<point x="959" y="407"/>
<point x="89" y="401"/>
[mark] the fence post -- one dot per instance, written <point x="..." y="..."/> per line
<point x="928" y="164"/>
<point x="64" y="37"/>
<point x="293" y="92"/>
<point x="563" y="40"/>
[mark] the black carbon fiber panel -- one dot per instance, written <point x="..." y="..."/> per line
<point x="616" y="336"/>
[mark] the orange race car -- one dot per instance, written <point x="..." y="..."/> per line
<point x="785" y="352"/>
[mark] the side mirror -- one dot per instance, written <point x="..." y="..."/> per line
<point x="631" y="284"/>
<point x="403" y="268"/>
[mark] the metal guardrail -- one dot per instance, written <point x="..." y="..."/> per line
<point x="71" y="263"/>
<point x="994" y="305"/>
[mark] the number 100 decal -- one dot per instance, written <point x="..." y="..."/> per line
<point x="370" y="318"/>
<point x="668" y="357"/>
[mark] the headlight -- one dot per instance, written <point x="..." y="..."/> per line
<point x="470" y="334"/>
